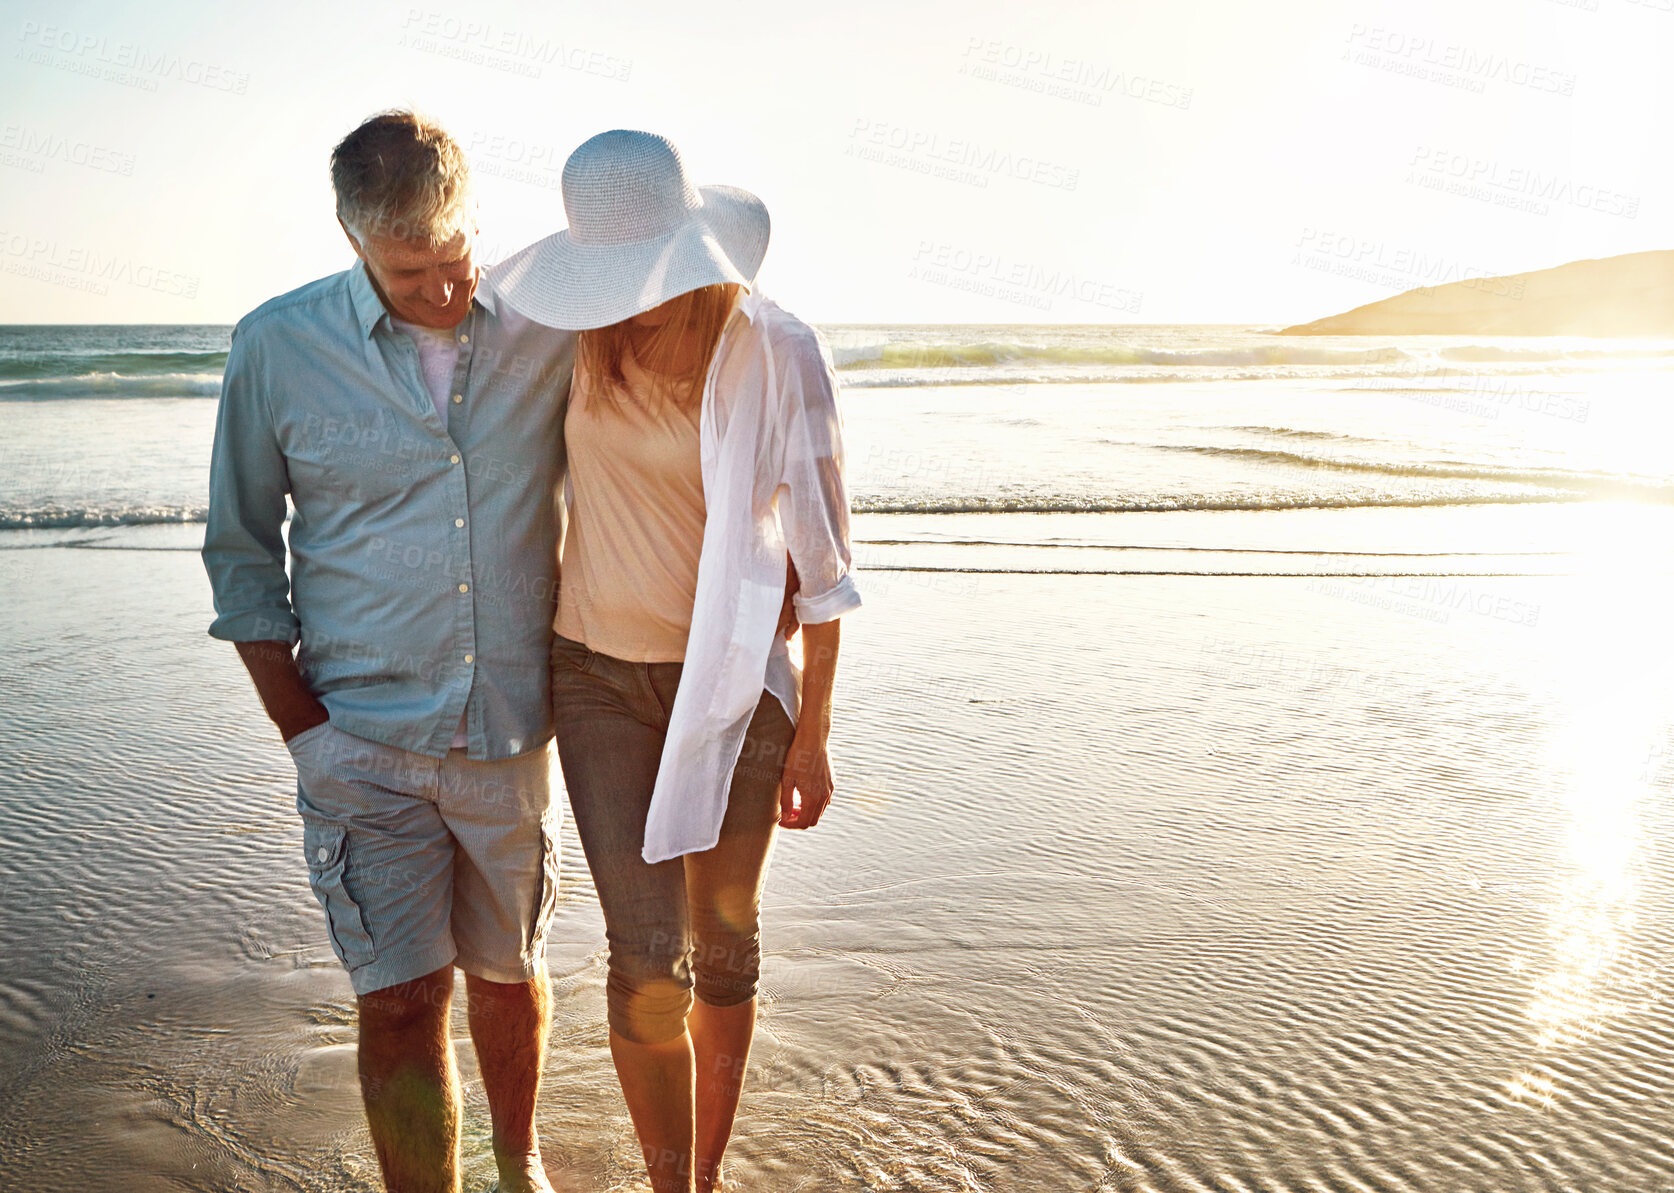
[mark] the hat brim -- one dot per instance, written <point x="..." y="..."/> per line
<point x="565" y="284"/>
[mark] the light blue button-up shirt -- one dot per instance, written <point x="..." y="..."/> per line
<point x="423" y="552"/>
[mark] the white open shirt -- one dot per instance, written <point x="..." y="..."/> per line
<point x="770" y="442"/>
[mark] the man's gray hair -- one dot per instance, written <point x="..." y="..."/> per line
<point x="400" y="175"/>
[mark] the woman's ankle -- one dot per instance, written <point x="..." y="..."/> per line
<point x="708" y="1177"/>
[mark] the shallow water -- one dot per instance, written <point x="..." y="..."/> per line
<point x="1134" y="882"/>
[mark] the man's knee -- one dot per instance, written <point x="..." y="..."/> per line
<point x="407" y="1005"/>
<point x="524" y="1006"/>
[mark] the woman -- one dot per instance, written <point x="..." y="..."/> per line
<point x="703" y="445"/>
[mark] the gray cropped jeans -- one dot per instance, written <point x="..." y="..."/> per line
<point x="689" y="925"/>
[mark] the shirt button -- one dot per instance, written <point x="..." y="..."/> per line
<point x="323" y="853"/>
<point x="459" y="521"/>
<point x="470" y="658"/>
<point x="453" y="459"/>
<point x="458" y="397"/>
<point x="464" y="588"/>
<point x="464" y="339"/>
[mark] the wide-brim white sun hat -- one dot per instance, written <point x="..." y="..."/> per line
<point x="640" y="233"/>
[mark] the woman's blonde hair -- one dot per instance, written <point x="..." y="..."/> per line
<point x="695" y="317"/>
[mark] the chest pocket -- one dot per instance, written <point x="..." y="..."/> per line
<point x="364" y="456"/>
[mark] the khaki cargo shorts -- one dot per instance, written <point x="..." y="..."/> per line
<point x="423" y="862"/>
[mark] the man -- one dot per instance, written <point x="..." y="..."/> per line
<point x="416" y="425"/>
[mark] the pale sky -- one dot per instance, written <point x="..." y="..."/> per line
<point x="1172" y="161"/>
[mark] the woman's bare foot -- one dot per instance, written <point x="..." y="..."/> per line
<point x="715" y="1182"/>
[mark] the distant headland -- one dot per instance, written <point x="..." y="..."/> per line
<point x="1629" y="295"/>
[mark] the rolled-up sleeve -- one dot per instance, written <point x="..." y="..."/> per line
<point x="244" y="544"/>
<point x="815" y="508"/>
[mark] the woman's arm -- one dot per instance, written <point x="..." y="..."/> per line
<point x="815" y="515"/>
<point x="806" y="787"/>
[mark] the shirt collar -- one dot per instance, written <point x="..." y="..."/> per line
<point x="485" y="292"/>
<point x="369" y="308"/>
<point x="750" y="302"/>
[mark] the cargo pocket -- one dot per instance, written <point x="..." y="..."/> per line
<point x="327" y="848"/>
<point x="548" y="901"/>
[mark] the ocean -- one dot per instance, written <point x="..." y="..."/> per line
<point x="1255" y="771"/>
<point x="1022" y="419"/>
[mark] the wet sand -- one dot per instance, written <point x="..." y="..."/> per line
<point x="1132" y="883"/>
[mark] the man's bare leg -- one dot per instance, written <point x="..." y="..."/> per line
<point x="410" y="1085"/>
<point x="509" y="1023"/>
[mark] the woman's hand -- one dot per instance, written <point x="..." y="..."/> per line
<point x="805" y="789"/>
<point x="807" y="764"/>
